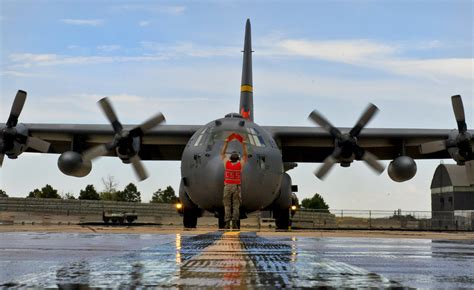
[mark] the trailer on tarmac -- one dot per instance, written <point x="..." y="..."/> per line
<point x="118" y="217"/>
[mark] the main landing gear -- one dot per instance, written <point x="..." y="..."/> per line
<point x="190" y="216"/>
<point x="282" y="219"/>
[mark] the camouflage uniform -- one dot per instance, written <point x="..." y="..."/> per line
<point x="232" y="201"/>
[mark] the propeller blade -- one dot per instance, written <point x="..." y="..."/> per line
<point x="2" y="156"/>
<point x="38" y="144"/>
<point x="17" y="106"/>
<point x="110" y="113"/>
<point x="324" y="123"/>
<point x="138" y="166"/>
<point x="373" y="162"/>
<point x="324" y="169"/>
<point x="148" y="125"/>
<point x="95" y="152"/>
<point x="368" y="114"/>
<point x="470" y="171"/>
<point x="434" y="146"/>
<point x="458" y="109"/>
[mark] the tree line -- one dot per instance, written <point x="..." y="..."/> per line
<point x="110" y="192"/>
<point x="131" y="194"/>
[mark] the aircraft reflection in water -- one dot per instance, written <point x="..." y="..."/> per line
<point x="273" y="150"/>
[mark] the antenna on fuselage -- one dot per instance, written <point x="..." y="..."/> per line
<point x="246" y="88"/>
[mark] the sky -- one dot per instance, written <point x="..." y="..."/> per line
<point x="184" y="58"/>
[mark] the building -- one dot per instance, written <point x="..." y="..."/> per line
<point x="452" y="198"/>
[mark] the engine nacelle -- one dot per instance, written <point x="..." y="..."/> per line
<point x="402" y="168"/>
<point x="72" y="164"/>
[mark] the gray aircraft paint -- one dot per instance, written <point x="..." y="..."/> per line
<point x="246" y="88"/>
<point x="202" y="168"/>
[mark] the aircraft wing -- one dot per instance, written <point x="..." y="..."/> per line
<point x="313" y="144"/>
<point x="164" y="142"/>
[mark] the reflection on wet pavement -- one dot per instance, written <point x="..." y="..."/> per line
<point x="237" y="259"/>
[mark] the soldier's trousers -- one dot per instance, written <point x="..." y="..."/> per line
<point x="232" y="201"/>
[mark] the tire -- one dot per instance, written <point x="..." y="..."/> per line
<point x="130" y="220"/>
<point x="189" y="218"/>
<point x="106" y="220"/>
<point x="282" y="220"/>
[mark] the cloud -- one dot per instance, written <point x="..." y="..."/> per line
<point x="108" y="47"/>
<point x="26" y="60"/>
<point x="83" y="22"/>
<point x="153" y="8"/>
<point x="144" y="23"/>
<point x="348" y="51"/>
<point x="191" y="49"/>
<point x="374" y="55"/>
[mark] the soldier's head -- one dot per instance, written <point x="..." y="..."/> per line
<point x="234" y="156"/>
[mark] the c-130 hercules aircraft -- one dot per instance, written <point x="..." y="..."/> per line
<point x="272" y="151"/>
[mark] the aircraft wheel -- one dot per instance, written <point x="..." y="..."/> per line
<point x="282" y="220"/>
<point x="189" y="218"/>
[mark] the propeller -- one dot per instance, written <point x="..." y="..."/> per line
<point x="461" y="141"/>
<point x="9" y="135"/>
<point x="125" y="143"/>
<point x="346" y="148"/>
<point x="458" y="144"/>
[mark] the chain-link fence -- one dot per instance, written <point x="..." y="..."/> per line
<point x="383" y="219"/>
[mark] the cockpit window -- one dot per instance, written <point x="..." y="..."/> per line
<point x="252" y="136"/>
<point x="255" y="138"/>
<point x="201" y="139"/>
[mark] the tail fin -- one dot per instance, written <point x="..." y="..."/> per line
<point x="246" y="88"/>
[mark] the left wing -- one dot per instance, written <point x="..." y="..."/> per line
<point x="165" y="142"/>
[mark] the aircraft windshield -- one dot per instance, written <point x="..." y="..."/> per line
<point x="252" y="136"/>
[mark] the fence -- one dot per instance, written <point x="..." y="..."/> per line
<point x="88" y="210"/>
<point x="382" y="219"/>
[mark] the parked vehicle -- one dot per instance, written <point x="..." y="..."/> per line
<point x="118" y="217"/>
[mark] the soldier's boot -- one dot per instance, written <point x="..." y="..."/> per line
<point x="235" y="225"/>
<point x="227" y="225"/>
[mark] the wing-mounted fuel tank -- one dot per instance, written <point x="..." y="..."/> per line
<point x="402" y="168"/>
<point x="202" y="167"/>
<point x="73" y="164"/>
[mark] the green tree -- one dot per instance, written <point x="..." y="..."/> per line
<point x="164" y="196"/>
<point x="3" y="193"/>
<point x="316" y="202"/>
<point x="46" y="192"/>
<point x="36" y="193"/>
<point x="89" y="193"/>
<point x="130" y="194"/>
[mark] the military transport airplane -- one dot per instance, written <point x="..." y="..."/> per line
<point x="272" y="151"/>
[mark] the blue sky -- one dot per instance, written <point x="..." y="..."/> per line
<point x="183" y="58"/>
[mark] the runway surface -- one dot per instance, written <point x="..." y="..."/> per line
<point x="230" y="259"/>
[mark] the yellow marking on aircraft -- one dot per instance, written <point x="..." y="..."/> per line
<point x="246" y="88"/>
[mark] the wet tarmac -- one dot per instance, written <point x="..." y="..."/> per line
<point x="242" y="259"/>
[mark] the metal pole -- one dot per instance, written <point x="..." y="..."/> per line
<point x="370" y="219"/>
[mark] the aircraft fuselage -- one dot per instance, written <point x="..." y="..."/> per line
<point x="202" y="167"/>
